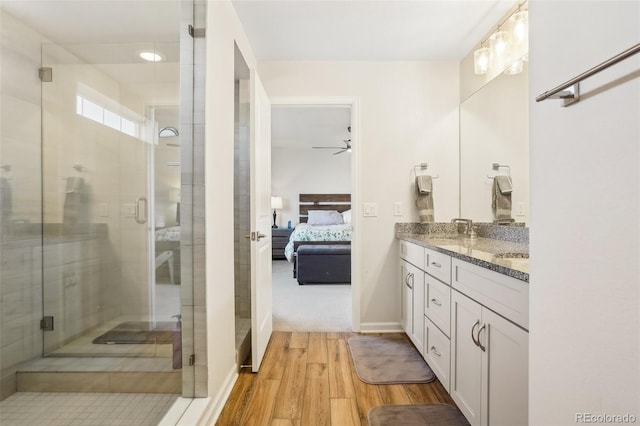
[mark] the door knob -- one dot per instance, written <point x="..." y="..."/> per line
<point x="260" y="235"/>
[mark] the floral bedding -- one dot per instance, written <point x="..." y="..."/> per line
<point x="168" y="234"/>
<point x="306" y="232"/>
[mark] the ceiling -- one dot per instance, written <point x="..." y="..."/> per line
<point x="301" y="127"/>
<point x="386" y="30"/>
<point x="109" y="33"/>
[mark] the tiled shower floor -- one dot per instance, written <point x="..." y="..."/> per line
<point x="86" y="409"/>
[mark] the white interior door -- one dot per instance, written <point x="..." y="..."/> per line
<point x="261" y="299"/>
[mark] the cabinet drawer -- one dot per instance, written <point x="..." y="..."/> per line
<point x="437" y="352"/>
<point x="507" y="296"/>
<point x="412" y="253"/>
<point x="437" y="303"/>
<point x="438" y="265"/>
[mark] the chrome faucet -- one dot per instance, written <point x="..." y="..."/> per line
<point x="467" y="222"/>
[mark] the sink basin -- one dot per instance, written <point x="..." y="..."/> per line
<point x="511" y="255"/>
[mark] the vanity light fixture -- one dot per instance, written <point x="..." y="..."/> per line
<point x="150" y="56"/>
<point x="515" y="68"/>
<point x="481" y="60"/>
<point x="508" y="46"/>
<point x="499" y="49"/>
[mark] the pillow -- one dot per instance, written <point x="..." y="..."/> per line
<point x="346" y="216"/>
<point x="324" y="217"/>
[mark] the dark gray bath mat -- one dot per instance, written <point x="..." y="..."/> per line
<point x="381" y="360"/>
<point x="138" y="332"/>
<point x="416" y="415"/>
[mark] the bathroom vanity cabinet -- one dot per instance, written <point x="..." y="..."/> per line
<point x="412" y="279"/>
<point x="474" y="336"/>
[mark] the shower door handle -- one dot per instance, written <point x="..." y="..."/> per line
<point x="139" y="217"/>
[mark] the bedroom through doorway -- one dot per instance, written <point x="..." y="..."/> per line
<point x="312" y="188"/>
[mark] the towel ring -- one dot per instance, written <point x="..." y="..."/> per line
<point x="496" y="166"/>
<point x="422" y="167"/>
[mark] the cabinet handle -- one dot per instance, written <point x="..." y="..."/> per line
<point x="406" y="280"/>
<point x="483" y="348"/>
<point x="436" y="302"/>
<point x="477" y="343"/>
<point x="435" y="351"/>
<point x="410" y="285"/>
<point x="436" y="264"/>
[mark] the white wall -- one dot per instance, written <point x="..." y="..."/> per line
<point x="408" y="115"/>
<point x="306" y="171"/>
<point x="585" y="210"/>
<point x="223" y="28"/>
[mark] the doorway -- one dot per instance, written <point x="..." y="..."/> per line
<point x="329" y="125"/>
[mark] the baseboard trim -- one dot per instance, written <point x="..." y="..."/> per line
<point x="381" y="327"/>
<point x="206" y="411"/>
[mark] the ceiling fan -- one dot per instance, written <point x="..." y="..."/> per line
<point x="341" y="149"/>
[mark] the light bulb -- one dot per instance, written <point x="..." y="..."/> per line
<point x="521" y="26"/>
<point x="515" y="68"/>
<point x="481" y="60"/>
<point x="499" y="50"/>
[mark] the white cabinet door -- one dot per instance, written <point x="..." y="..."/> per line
<point x="412" y="320"/>
<point x="417" y="282"/>
<point x="466" y="357"/>
<point x="407" y="298"/>
<point x="505" y="372"/>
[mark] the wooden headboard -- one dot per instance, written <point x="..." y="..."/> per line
<point x="339" y="202"/>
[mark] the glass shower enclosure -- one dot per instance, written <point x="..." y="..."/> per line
<point x="103" y="110"/>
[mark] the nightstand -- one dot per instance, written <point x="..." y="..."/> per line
<point x="279" y="240"/>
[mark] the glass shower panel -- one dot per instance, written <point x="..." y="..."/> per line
<point x="99" y="136"/>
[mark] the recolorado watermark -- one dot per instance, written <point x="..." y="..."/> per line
<point x="605" y="418"/>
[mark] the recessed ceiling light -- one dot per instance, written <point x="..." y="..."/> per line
<point x="151" y="56"/>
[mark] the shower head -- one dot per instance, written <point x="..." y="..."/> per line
<point x="168" y="132"/>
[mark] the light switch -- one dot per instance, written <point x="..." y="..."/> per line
<point x="370" y="209"/>
<point x="520" y="208"/>
<point x="397" y="208"/>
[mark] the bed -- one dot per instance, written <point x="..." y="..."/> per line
<point x="332" y="262"/>
<point x="168" y="251"/>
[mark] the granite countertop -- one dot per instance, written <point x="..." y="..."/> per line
<point x="506" y="257"/>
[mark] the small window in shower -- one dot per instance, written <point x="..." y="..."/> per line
<point x="102" y="115"/>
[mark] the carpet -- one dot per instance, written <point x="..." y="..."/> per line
<point x="416" y="415"/>
<point x="138" y="332"/>
<point x="317" y="307"/>
<point x="387" y="360"/>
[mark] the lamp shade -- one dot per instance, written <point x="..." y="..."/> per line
<point x="276" y="203"/>
<point x="481" y="60"/>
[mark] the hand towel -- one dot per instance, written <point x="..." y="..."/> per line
<point x="76" y="201"/>
<point x="424" y="183"/>
<point x="501" y="197"/>
<point x="424" y="198"/>
<point x="504" y="184"/>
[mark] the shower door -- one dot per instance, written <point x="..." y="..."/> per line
<point x="97" y="156"/>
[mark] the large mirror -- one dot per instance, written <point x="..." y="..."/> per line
<point x="494" y="128"/>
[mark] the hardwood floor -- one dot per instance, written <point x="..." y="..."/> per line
<point x="308" y="378"/>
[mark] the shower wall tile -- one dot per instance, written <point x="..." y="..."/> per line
<point x="198" y="155"/>
<point x="200" y="335"/>
<point x="199" y="218"/>
<point x="199" y="274"/>
<point x="186" y="269"/>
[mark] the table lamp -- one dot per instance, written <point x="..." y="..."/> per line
<point x="276" y="203"/>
